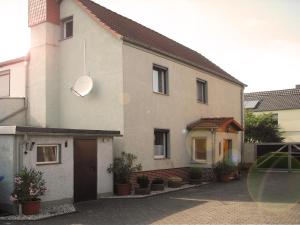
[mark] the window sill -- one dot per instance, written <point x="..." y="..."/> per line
<point x="47" y="163"/>
<point x="199" y="162"/>
<point x="64" y="39"/>
<point x="160" y="93"/>
<point x="160" y="158"/>
<point x="203" y="103"/>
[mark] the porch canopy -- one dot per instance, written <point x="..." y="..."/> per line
<point x="220" y="124"/>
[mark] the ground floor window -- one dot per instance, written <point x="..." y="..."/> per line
<point x="161" y="143"/>
<point x="48" y="154"/>
<point x="199" y="149"/>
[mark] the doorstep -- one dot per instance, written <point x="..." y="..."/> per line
<point x="46" y="212"/>
<point x="154" y="193"/>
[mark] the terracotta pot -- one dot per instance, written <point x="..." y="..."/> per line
<point x="157" y="187"/>
<point x="123" y="189"/>
<point x="31" y="207"/>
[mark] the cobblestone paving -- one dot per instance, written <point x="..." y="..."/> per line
<point x="260" y="199"/>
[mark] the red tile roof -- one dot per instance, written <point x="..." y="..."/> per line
<point x="214" y="123"/>
<point x="138" y="34"/>
<point x="14" y="61"/>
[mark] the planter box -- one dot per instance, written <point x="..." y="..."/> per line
<point x="196" y="181"/>
<point x="157" y="187"/>
<point x="142" y="191"/>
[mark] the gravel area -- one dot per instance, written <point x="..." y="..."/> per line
<point x="46" y="212"/>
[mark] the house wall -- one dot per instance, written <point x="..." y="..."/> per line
<point x="7" y="169"/>
<point x="12" y="111"/>
<point x="60" y="177"/>
<point x="289" y="122"/>
<point x="102" y="108"/>
<point x="17" y="79"/>
<point x="145" y="110"/>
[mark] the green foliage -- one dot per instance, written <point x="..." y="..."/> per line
<point x="29" y="185"/>
<point x="123" y="167"/>
<point x="224" y="168"/>
<point x="261" y="128"/>
<point x="195" y="173"/>
<point x="158" y="180"/>
<point x="143" y="181"/>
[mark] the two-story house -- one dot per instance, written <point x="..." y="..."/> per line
<point x="173" y="107"/>
<point x="284" y="106"/>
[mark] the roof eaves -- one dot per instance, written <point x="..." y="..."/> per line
<point x="139" y="44"/>
<point x="14" y="61"/>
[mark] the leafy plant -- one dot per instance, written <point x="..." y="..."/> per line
<point x="123" y="167"/>
<point x="158" y="180"/>
<point x="195" y="173"/>
<point x="143" y="181"/>
<point x="224" y="168"/>
<point x="262" y="128"/>
<point x="29" y="185"/>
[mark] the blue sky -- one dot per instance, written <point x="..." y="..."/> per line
<point x="257" y="41"/>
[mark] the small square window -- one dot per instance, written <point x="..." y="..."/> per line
<point x="48" y="154"/>
<point x="161" y="144"/>
<point x="160" y="80"/>
<point x="202" y="91"/>
<point x="199" y="149"/>
<point x="67" y="28"/>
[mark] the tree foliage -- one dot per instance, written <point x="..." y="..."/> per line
<point x="262" y="128"/>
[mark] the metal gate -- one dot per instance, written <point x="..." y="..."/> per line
<point x="278" y="156"/>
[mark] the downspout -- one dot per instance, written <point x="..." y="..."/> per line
<point x="26" y="88"/>
<point x="213" y="139"/>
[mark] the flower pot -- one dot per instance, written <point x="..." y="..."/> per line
<point x="123" y="189"/>
<point x="31" y="207"/>
<point x="142" y="191"/>
<point x="174" y="184"/>
<point x="157" y="187"/>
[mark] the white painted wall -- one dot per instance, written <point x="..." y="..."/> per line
<point x="8" y="108"/>
<point x="17" y="78"/>
<point x="145" y="110"/>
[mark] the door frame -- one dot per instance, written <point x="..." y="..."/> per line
<point x="228" y="156"/>
<point x="85" y="138"/>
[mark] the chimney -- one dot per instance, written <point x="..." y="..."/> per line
<point x="298" y="86"/>
<point x="40" y="11"/>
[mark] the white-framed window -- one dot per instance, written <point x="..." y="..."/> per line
<point x="5" y="83"/>
<point x="47" y="154"/>
<point x="201" y="91"/>
<point x="200" y="149"/>
<point x="161" y="144"/>
<point x="160" y="80"/>
<point x="67" y="27"/>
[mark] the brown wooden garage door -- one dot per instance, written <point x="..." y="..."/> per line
<point x="85" y="169"/>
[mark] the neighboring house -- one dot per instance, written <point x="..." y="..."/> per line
<point x="173" y="107"/>
<point x="283" y="104"/>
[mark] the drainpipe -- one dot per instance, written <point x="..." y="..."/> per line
<point x="213" y="134"/>
<point x="243" y="124"/>
<point x="26" y="88"/>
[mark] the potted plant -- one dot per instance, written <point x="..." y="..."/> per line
<point x="174" y="182"/>
<point x="143" y="189"/>
<point x="224" y="171"/>
<point x="157" y="184"/>
<point x="122" y="168"/>
<point x="29" y="186"/>
<point x="195" y="175"/>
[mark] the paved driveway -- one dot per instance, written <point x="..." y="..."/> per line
<point x="260" y="198"/>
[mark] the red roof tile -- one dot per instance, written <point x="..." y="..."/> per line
<point x="217" y="122"/>
<point x="138" y="34"/>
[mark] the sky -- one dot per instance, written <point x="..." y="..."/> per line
<point x="256" y="41"/>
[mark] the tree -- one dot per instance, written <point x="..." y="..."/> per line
<point x="262" y="128"/>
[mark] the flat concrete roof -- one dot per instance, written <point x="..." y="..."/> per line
<point x="19" y="130"/>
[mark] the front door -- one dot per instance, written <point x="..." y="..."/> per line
<point x="85" y="169"/>
<point x="227" y="150"/>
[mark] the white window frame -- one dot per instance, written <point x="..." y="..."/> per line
<point x="155" y="81"/>
<point x="165" y="144"/>
<point x="194" y="149"/>
<point x="57" y="161"/>
<point x="64" y="27"/>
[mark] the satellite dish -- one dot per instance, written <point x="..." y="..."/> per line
<point x="83" y="86"/>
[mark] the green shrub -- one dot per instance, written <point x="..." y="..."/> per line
<point x="195" y="173"/>
<point x="143" y="181"/>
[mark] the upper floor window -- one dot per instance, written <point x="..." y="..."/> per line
<point x="67" y="27"/>
<point x="161" y="144"/>
<point x="201" y="91"/>
<point x="160" y="80"/>
<point x="5" y="83"/>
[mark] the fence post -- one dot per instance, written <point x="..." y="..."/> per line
<point x="289" y="158"/>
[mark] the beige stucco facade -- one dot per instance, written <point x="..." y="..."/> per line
<point x="289" y="122"/>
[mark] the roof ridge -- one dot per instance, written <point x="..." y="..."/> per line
<point x="282" y="91"/>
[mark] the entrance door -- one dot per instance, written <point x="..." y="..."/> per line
<point x="85" y="169"/>
<point x="227" y="150"/>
